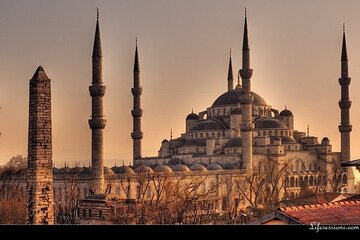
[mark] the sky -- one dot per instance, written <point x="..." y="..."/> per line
<point x="184" y="51"/>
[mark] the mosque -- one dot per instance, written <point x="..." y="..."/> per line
<point x="239" y="135"/>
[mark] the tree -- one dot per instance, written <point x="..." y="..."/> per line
<point x="12" y="193"/>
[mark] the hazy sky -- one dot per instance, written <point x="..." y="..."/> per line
<point x="184" y="50"/>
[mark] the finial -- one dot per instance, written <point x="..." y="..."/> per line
<point x="192" y="110"/>
<point x="171" y="134"/>
<point x="230" y="52"/>
<point x="136" y="41"/>
<point x="344" y="27"/>
<point x="97" y="13"/>
<point x="285" y="107"/>
<point x="307" y="130"/>
<point x="245" y="12"/>
<point x="123" y="163"/>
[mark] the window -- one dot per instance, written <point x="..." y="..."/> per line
<point x="311" y="181"/>
<point x="344" y="179"/>
<point x="84" y="213"/>
<point x="100" y="213"/>
<point x="292" y="182"/>
<point x="89" y="213"/>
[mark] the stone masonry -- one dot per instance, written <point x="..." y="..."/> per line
<point x="97" y="122"/>
<point x="39" y="187"/>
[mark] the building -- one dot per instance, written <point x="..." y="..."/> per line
<point x="239" y="137"/>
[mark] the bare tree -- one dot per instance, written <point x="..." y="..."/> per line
<point x="12" y="191"/>
<point x="69" y="202"/>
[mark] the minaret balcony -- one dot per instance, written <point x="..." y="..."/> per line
<point x="345" y="128"/>
<point x="246" y="128"/>
<point x="137" y="112"/>
<point x="344" y="81"/>
<point x="137" y="135"/>
<point x="246" y="73"/>
<point x="97" y="90"/>
<point x="136" y="91"/>
<point x="344" y="104"/>
<point x="97" y="123"/>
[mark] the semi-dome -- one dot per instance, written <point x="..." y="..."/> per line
<point x="163" y="169"/>
<point x="108" y="171"/>
<point x="192" y="116"/>
<point x="286" y="113"/>
<point x="75" y="170"/>
<point x="207" y="125"/>
<point x="236" y="110"/>
<point x="144" y="169"/>
<point x="265" y="123"/>
<point x="122" y="170"/>
<point x="181" y="168"/>
<point x="214" y="167"/>
<point x="232" y="98"/>
<point x="198" y="167"/>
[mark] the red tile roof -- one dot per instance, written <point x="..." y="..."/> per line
<point x="344" y="212"/>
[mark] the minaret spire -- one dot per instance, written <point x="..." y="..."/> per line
<point x="97" y="122"/>
<point x="230" y="78"/>
<point x="345" y="103"/>
<point x="137" y="112"/>
<point x="246" y="100"/>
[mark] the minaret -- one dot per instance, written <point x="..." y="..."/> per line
<point x="345" y="104"/>
<point x="137" y="112"/>
<point x="97" y="122"/>
<point x="230" y="77"/>
<point x="39" y="174"/>
<point x="246" y="100"/>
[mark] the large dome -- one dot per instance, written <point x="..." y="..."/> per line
<point x="232" y="98"/>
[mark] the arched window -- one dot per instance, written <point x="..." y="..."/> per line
<point x="306" y="181"/>
<point x="213" y="135"/>
<point x="196" y="136"/>
<point x="311" y="182"/>
<point x="287" y="182"/>
<point x="207" y="135"/>
<point x="301" y="181"/>
<point x="201" y="135"/>
<point x="276" y="132"/>
<point x="292" y="182"/>
<point x="296" y="182"/>
<point x="344" y="179"/>
<point x="281" y="133"/>
<point x="264" y="133"/>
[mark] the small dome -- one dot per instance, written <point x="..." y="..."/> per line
<point x="144" y="169"/>
<point x="265" y="123"/>
<point x="75" y="170"/>
<point x="163" y="169"/>
<point x="214" y="167"/>
<point x="206" y="125"/>
<point x="198" y="167"/>
<point x="108" y="171"/>
<point x="164" y="141"/>
<point x="192" y="116"/>
<point x="86" y="171"/>
<point x="236" y="110"/>
<point x="122" y="170"/>
<point x="181" y="168"/>
<point x="64" y="170"/>
<point x="325" y="139"/>
<point x="231" y="166"/>
<point x="286" y="113"/>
